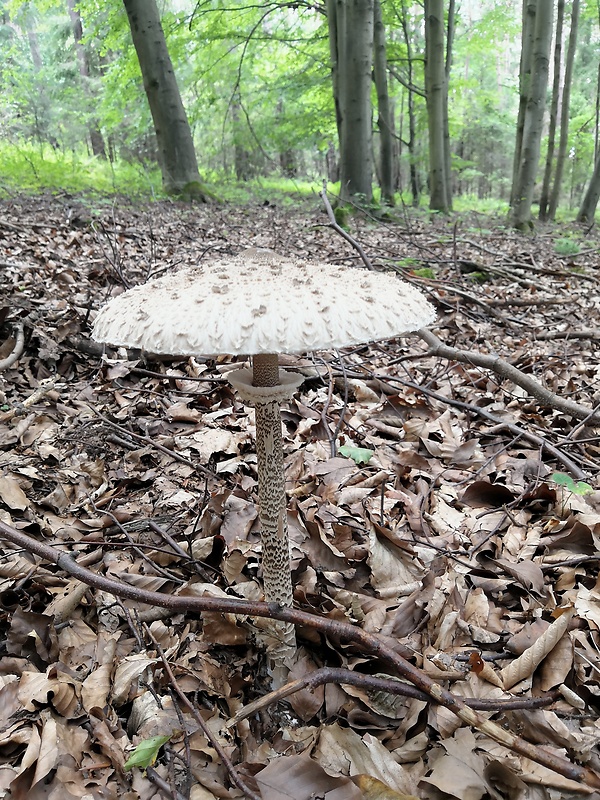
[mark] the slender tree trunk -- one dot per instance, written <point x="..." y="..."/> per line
<point x="385" y="119"/>
<point x="565" y="109"/>
<point x="335" y="20"/>
<point x="176" y="154"/>
<point x="556" y="86"/>
<point x="353" y="24"/>
<point x="534" y="118"/>
<point x="410" y="100"/>
<point x="94" y="132"/>
<point x="592" y="195"/>
<point x="447" y="68"/>
<point x="435" y="86"/>
<point x="528" y="21"/>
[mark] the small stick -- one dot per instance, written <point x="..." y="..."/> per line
<point x="227" y="763"/>
<point x="17" y="352"/>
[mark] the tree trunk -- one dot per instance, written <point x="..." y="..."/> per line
<point x="435" y="86"/>
<point x="176" y="155"/>
<point x="447" y="68"/>
<point x="534" y="118"/>
<point x="410" y="101"/>
<point x="590" y="200"/>
<point x="385" y="119"/>
<point x="353" y="58"/>
<point x="94" y="132"/>
<point x="528" y="21"/>
<point x="564" y="112"/>
<point x="545" y="196"/>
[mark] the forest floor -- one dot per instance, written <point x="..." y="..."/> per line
<point x="467" y="539"/>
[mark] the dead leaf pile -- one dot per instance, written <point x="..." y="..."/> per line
<point x="410" y="514"/>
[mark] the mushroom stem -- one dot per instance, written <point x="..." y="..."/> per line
<point x="272" y="500"/>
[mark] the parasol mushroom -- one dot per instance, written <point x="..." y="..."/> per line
<point x="262" y="304"/>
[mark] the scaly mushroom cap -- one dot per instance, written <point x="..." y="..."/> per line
<point x="260" y="302"/>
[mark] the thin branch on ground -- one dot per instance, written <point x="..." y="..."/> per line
<point x="17" y="350"/>
<point x="226" y="761"/>
<point x="344" y="234"/>
<point x="507" y="371"/>
<point x="374" y="683"/>
<point x="368" y="643"/>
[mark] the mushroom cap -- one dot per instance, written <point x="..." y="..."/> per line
<point x="260" y="302"/>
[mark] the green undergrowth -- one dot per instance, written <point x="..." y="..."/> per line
<point x="33" y="169"/>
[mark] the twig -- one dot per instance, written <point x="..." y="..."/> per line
<point x="506" y="370"/>
<point x="370" y="643"/>
<point x="18" y="348"/>
<point x="500" y="423"/>
<point x="227" y="763"/>
<point x="344" y="234"/>
<point x="147" y="440"/>
<point x="45" y="386"/>
<point x="374" y="683"/>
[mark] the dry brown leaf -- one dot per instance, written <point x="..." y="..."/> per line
<point x="11" y="493"/>
<point x="525" y="665"/>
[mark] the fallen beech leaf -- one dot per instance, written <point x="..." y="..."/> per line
<point x="525" y="665"/>
<point x="11" y="494"/>
<point x="374" y="789"/>
<point x="302" y="778"/>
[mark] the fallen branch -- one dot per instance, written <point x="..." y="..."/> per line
<point x="506" y="370"/>
<point x="373" y="683"/>
<point x="220" y="751"/>
<point x="370" y="643"/>
<point x="17" y="351"/>
<point x="498" y="422"/>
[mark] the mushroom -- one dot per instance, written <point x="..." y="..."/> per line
<point x="262" y="304"/>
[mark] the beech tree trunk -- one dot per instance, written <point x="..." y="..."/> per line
<point x="94" y="132"/>
<point x="534" y="118"/>
<point x="412" y="124"/>
<point x="590" y="200"/>
<point x="563" y="142"/>
<point x="435" y="86"/>
<point x="385" y="121"/>
<point x="176" y="155"/>
<point x="451" y="27"/>
<point x="556" y="91"/>
<point x="351" y="22"/>
<point x="527" y="25"/>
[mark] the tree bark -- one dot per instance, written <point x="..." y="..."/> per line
<point x="528" y="21"/>
<point x="564" y="112"/>
<point x="94" y="132"/>
<point x="410" y="101"/>
<point x="451" y="27"/>
<point x="556" y="86"/>
<point x="385" y="121"/>
<point x="435" y="86"/>
<point x="352" y="22"/>
<point x="534" y="118"/>
<point x="176" y="155"/>
<point x="591" y="197"/>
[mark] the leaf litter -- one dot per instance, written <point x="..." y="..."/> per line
<point x="410" y="514"/>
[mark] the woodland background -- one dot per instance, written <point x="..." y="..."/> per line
<point x="443" y="488"/>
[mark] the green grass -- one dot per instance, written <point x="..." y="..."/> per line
<point x="32" y="169"/>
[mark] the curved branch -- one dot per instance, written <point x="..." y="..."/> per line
<point x="506" y="370"/>
<point x="17" y="352"/>
<point x="369" y="643"/>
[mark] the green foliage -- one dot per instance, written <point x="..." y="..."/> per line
<point x="146" y="752"/>
<point x="360" y="455"/>
<point x="579" y="488"/>
<point x="566" y="247"/>
<point x="424" y="272"/>
<point x="342" y="216"/>
<point x="31" y="168"/>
